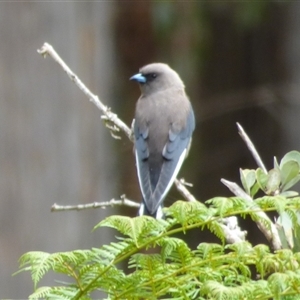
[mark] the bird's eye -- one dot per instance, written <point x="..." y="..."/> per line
<point x="150" y="76"/>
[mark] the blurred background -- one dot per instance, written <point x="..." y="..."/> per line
<point x="240" y="62"/>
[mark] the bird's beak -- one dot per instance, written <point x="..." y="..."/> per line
<point x="139" y="77"/>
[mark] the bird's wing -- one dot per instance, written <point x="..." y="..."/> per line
<point x="141" y="155"/>
<point x="179" y="138"/>
<point x="174" y="154"/>
<point x="172" y="157"/>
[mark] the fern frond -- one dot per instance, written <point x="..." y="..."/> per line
<point x="38" y="263"/>
<point x="212" y="271"/>
<point x="187" y="213"/>
<point x="57" y="293"/>
<point x="216" y="228"/>
<point x="136" y="228"/>
<point x="227" y="206"/>
<point x="175" y="250"/>
<point x="278" y="283"/>
<point x="208" y="250"/>
<point x="248" y="290"/>
<point x="276" y="202"/>
<point x="241" y="249"/>
<point x="295" y="202"/>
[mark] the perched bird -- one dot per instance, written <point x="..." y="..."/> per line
<point x="163" y="127"/>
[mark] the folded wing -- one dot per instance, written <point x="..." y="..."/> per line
<point x="158" y="171"/>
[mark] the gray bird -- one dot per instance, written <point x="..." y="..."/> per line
<point x="163" y="127"/>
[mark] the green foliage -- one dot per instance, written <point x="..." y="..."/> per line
<point x="162" y="266"/>
<point x="277" y="181"/>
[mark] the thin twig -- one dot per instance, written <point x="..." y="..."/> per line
<point x="108" y="115"/>
<point x="180" y="185"/>
<point x="105" y="204"/>
<point x="270" y="231"/>
<point x="251" y="148"/>
<point x="236" y="190"/>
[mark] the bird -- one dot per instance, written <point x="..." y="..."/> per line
<point x="163" y="125"/>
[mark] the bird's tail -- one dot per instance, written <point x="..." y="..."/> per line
<point x="143" y="211"/>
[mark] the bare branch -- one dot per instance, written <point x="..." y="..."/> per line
<point x="232" y="231"/>
<point x="251" y="147"/>
<point x="108" y="117"/>
<point x="236" y="190"/>
<point x="270" y="233"/>
<point x="104" y="205"/>
<point x="180" y="185"/>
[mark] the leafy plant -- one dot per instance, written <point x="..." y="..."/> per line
<point x="175" y="271"/>
<point x="230" y="269"/>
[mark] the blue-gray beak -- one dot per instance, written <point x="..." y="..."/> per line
<point x="139" y="77"/>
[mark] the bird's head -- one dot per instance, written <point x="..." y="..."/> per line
<point x="157" y="77"/>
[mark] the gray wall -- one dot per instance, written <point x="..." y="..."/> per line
<point x="53" y="145"/>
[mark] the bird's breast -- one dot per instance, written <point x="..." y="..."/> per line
<point x="158" y="114"/>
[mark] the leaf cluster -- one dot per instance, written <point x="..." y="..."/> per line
<point x="278" y="180"/>
<point x="162" y="266"/>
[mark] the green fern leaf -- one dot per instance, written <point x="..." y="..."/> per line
<point x="186" y="213"/>
<point x="38" y="263"/>
<point x="136" y="228"/>
<point x="55" y="293"/>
